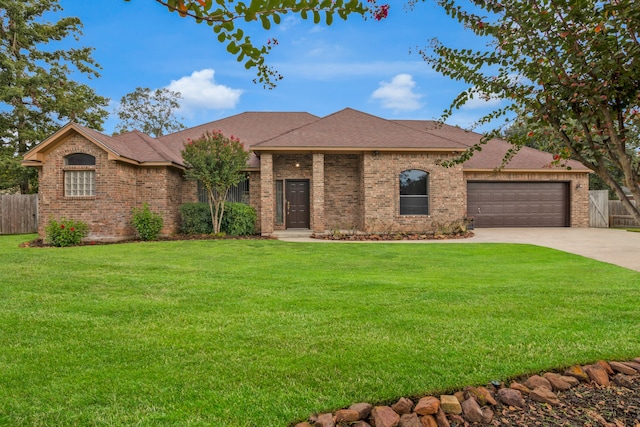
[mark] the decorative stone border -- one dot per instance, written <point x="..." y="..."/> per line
<point x="477" y="404"/>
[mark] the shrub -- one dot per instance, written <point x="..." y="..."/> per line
<point x="195" y="219"/>
<point x="238" y="219"/>
<point x="147" y="224"/>
<point x="65" y="232"/>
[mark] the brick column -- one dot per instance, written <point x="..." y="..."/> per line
<point x="267" y="202"/>
<point x="317" y="207"/>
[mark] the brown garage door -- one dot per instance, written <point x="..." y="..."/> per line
<point x="518" y="204"/>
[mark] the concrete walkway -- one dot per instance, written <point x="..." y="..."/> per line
<point x="619" y="247"/>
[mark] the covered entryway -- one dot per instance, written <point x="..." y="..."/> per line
<point x="297" y="205"/>
<point x="518" y="204"/>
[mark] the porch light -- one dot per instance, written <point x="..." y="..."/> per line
<point x="297" y="164"/>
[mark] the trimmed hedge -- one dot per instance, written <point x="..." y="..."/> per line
<point x="238" y="219"/>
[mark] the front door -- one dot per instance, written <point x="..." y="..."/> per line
<point x="297" y="206"/>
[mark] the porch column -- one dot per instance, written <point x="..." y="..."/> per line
<point x="317" y="207"/>
<point x="267" y="203"/>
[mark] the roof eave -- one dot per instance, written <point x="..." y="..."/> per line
<point x="545" y="170"/>
<point x="360" y="149"/>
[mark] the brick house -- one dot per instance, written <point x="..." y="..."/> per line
<point x="348" y="170"/>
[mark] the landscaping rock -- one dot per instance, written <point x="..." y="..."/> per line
<point x="325" y="420"/>
<point x="634" y="365"/>
<point x="623" y="380"/>
<point x="457" y="420"/>
<point x="460" y="396"/>
<point x="537" y="381"/>
<point x="487" y="415"/>
<point x="576" y="371"/>
<point x="606" y="367"/>
<point x="471" y="410"/>
<point x="347" y="415"/>
<point x="441" y="419"/>
<point x="482" y="395"/>
<point x="622" y="368"/>
<point x="384" y="416"/>
<point x="427" y="406"/>
<point x="428" y="421"/>
<point x="544" y="395"/>
<point x="361" y="424"/>
<point x="511" y="397"/>
<point x="573" y="381"/>
<point x="402" y="406"/>
<point x="450" y="404"/>
<point x="598" y="374"/>
<point x="303" y="424"/>
<point x="556" y="381"/>
<point x="519" y="387"/>
<point x="364" y="409"/>
<point x="410" y="420"/>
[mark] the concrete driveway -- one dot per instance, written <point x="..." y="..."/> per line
<point x="619" y="247"/>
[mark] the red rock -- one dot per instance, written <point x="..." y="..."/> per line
<point x="364" y="409"/>
<point x="637" y="360"/>
<point x="511" y="397"/>
<point x="348" y="415"/>
<point x="450" y="404"/>
<point x="361" y="424"/>
<point x="598" y="374"/>
<point x="622" y="380"/>
<point x="622" y="368"/>
<point x="460" y="396"/>
<point x="606" y="366"/>
<point x="303" y="424"/>
<point x="556" y="381"/>
<point x="441" y="419"/>
<point x="471" y="410"/>
<point x="634" y="365"/>
<point x="577" y="372"/>
<point x="544" y="395"/>
<point x="482" y="395"/>
<point x="572" y="381"/>
<point x="325" y="420"/>
<point x="410" y="420"/>
<point x="457" y="419"/>
<point x="403" y="406"/>
<point x="428" y="421"/>
<point x="427" y="406"/>
<point x="384" y="416"/>
<point x="519" y="387"/>
<point x="537" y="381"/>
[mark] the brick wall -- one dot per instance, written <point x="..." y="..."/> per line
<point x="343" y="192"/>
<point x="381" y="190"/>
<point x="119" y="187"/>
<point x="578" y="188"/>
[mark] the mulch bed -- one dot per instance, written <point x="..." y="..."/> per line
<point x="361" y="237"/>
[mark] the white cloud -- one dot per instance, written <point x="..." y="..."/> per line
<point x="481" y="100"/>
<point x="200" y="91"/>
<point x="398" y="93"/>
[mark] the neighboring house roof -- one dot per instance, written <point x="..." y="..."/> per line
<point x="493" y="152"/>
<point x="349" y="129"/>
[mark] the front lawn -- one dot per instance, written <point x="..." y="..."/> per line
<point x="262" y="333"/>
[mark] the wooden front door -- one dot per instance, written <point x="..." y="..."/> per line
<point x="297" y="206"/>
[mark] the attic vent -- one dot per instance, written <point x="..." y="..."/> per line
<point x="79" y="159"/>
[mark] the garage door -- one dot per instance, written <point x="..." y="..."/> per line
<point x="518" y="204"/>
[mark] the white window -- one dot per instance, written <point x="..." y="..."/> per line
<point x="79" y="183"/>
<point x="79" y="175"/>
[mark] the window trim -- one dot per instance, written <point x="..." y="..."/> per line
<point x="425" y="197"/>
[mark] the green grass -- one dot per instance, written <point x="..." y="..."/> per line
<point x="263" y="333"/>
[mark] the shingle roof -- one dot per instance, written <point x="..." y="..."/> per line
<point x="493" y="151"/>
<point x="351" y="129"/>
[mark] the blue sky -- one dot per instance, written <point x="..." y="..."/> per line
<point x="365" y="65"/>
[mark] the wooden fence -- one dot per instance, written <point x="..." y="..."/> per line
<point x="18" y="213"/>
<point x="598" y="209"/>
<point x="619" y="216"/>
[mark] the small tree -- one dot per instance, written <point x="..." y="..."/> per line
<point x="151" y="111"/>
<point x="217" y="162"/>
